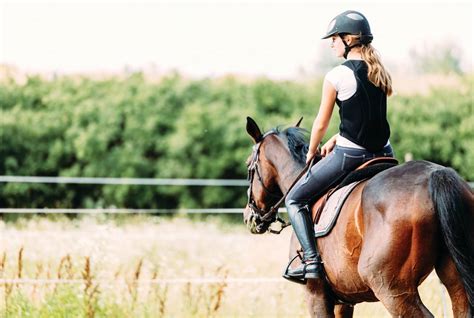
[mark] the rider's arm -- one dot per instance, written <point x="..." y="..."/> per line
<point x="321" y="122"/>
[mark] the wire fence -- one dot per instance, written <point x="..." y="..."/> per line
<point x="124" y="211"/>
<point x="128" y="181"/>
<point x="171" y="281"/>
<point x="131" y="181"/>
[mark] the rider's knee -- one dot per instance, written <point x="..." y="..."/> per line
<point x="294" y="206"/>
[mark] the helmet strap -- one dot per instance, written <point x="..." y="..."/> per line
<point x="347" y="48"/>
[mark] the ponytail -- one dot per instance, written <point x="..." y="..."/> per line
<point x="377" y="73"/>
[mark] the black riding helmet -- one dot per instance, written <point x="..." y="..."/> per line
<point x="350" y="22"/>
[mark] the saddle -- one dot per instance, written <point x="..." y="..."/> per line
<point x="327" y="208"/>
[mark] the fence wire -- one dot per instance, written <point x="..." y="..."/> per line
<point x="128" y="181"/>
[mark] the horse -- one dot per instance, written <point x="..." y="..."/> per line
<point x="391" y="232"/>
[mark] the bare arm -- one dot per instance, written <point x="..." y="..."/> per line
<point x="321" y="122"/>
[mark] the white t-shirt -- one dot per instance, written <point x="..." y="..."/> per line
<point x="344" y="82"/>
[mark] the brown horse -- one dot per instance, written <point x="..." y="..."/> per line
<point x="392" y="231"/>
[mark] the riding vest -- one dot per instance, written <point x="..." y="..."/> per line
<point x="364" y="114"/>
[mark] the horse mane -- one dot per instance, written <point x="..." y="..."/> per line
<point x="297" y="142"/>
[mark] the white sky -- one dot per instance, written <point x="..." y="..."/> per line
<point x="208" y="38"/>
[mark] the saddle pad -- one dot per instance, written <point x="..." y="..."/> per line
<point x="332" y="209"/>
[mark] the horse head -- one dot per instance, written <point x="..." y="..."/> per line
<point x="268" y="168"/>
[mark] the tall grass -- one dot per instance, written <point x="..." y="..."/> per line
<point x="91" y="290"/>
<point x="103" y="270"/>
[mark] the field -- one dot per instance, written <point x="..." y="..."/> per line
<point x="154" y="267"/>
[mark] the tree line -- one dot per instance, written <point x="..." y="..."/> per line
<point x="179" y="128"/>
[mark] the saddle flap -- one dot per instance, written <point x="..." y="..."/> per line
<point x="328" y="214"/>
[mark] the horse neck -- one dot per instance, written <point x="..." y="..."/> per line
<point x="287" y="169"/>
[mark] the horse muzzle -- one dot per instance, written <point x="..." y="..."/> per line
<point x="253" y="222"/>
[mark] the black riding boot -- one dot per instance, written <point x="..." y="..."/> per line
<point x="311" y="266"/>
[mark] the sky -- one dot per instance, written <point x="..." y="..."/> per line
<point x="277" y="39"/>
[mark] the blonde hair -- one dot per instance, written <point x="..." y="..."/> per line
<point x="377" y="73"/>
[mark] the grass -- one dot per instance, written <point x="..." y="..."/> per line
<point x="109" y="268"/>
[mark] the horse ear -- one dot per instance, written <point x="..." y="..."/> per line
<point x="299" y="122"/>
<point x="253" y="130"/>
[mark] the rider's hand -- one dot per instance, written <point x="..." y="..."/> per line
<point x="328" y="147"/>
<point x="311" y="155"/>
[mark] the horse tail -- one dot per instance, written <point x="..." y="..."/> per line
<point x="448" y="193"/>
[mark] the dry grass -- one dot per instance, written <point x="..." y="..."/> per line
<point x="149" y="249"/>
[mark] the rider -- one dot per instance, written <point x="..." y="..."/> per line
<point x="360" y="87"/>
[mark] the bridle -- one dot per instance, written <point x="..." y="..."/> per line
<point x="261" y="219"/>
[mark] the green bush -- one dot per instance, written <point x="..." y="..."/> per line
<point x="178" y="128"/>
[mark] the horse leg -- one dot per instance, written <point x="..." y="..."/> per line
<point x="404" y="303"/>
<point x="317" y="299"/>
<point x="450" y="278"/>
<point x="343" y="311"/>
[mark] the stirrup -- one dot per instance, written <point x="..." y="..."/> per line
<point x="285" y="275"/>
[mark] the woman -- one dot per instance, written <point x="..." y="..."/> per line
<point x="360" y="87"/>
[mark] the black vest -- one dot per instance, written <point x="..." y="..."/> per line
<point x="364" y="114"/>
